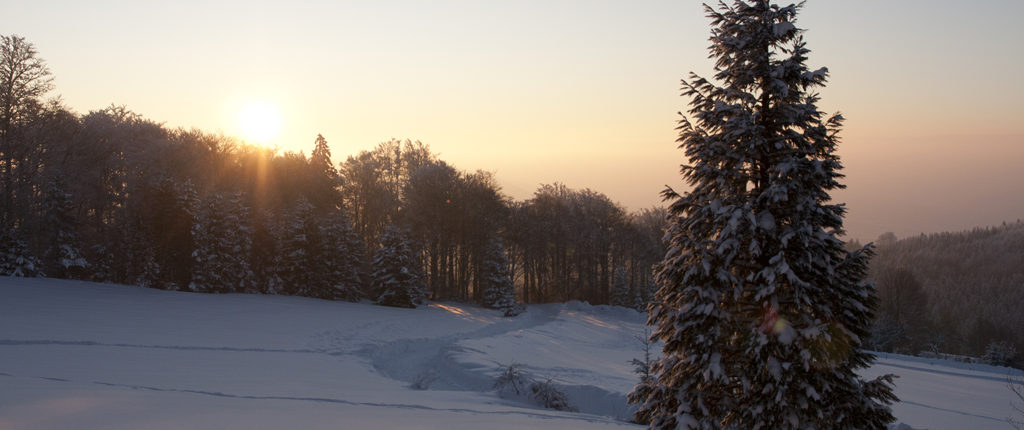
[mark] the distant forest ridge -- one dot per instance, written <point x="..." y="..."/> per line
<point x="957" y="292"/>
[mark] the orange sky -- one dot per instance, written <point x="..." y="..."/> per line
<point x="582" y="92"/>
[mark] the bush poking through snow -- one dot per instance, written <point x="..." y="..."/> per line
<point x="511" y="381"/>
<point x="423" y="380"/>
<point x="514" y="310"/>
<point x="999" y="353"/>
<point x="548" y="396"/>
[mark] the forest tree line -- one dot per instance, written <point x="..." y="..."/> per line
<point x="112" y="196"/>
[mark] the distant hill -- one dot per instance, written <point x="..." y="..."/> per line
<point x="974" y="282"/>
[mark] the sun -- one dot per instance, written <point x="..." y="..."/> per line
<point x="260" y="122"/>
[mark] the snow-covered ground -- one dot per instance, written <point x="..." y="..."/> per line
<point x="84" y="355"/>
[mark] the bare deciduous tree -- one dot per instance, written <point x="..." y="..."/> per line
<point x="23" y="79"/>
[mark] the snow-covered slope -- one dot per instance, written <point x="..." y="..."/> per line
<point x="84" y="355"/>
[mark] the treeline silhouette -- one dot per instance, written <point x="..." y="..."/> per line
<point x="959" y="293"/>
<point x="115" y="197"/>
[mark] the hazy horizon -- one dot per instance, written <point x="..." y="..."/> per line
<point x="583" y="93"/>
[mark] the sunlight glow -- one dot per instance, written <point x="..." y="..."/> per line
<point x="259" y="122"/>
<point x="460" y="312"/>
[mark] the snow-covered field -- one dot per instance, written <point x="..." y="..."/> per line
<point x="83" y="355"/>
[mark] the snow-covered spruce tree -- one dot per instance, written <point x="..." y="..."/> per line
<point x="761" y="310"/>
<point x="621" y="296"/>
<point x="266" y="256"/>
<point x="297" y="235"/>
<point x="223" y="245"/>
<point x="355" y="259"/>
<point x="63" y="257"/>
<point x="340" y="258"/>
<point x="496" y="284"/>
<point x="396" y="276"/>
<point x="206" y="271"/>
<point x="999" y="353"/>
<point x="15" y="257"/>
<point x="186" y="202"/>
<point x="236" y="243"/>
<point x="102" y="270"/>
<point x="149" y="276"/>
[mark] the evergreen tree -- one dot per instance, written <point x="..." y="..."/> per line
<point x="15" y="257"/>
<point x="150" y="272"/>
<point x="320" y="160"/>
<point x="206" y="273"/>
<point x="165" y="209"/>
<point x="496" y="283"/>
<point x="186" y="200"/>
<point x="235" y="244"/>
<point x="323" y="188"/>
<point x="132" y="257"/>
<point x="102" y="267"/>
<point x="298" y="237"/>
<point x="621" y="296"/>
<point x="761" y="310"/>
<point x="354" y="267"/>
<point x="266" y="255"/>
<point x="1000" y="353"/>
<point x="63" y="256"/>
<point x="396" y="275"/>
<point x="644" y="296"/>
<point x="340" y="259"/>
<point x="223" y="246"/>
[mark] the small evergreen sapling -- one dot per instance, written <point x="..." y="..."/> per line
<point x="621" y="296"/>
<point x="642" y="297"/>
<point x="642" y="366"/>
